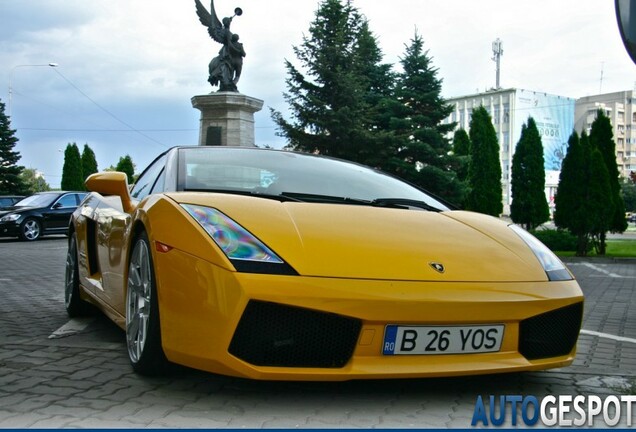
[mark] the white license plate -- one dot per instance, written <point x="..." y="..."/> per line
<point x="442" y="339"/>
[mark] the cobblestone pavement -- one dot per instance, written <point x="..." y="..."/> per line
<point x="84" y="379"/>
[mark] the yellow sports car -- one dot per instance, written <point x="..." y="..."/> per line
<point x="277" y="265"/>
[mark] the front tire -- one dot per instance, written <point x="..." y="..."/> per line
<point x="143" y="330"/>
<point x="31" y="229"/>
<point x="75" y="306"/>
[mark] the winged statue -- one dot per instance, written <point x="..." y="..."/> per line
<point x="225" y="68"/>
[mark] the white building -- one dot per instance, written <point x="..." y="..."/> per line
<point x="620" y="107"/>
<point x="509" y="110"/>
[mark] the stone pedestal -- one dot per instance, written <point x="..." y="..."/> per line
<point x="227" y="118"/>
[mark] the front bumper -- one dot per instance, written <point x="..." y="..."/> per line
<point x="205" y="310"/>
<point x="9" y="229"/>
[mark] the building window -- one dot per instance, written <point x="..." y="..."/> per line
<point x="495" y="117"/>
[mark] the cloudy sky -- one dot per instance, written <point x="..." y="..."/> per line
<point x="128" y="68"/>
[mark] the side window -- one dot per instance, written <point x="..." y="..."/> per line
<point x="67" y="200"/>
<point x="160" y="183"/>
<point x="80" y="197"/>
<point x="148" y="178"/>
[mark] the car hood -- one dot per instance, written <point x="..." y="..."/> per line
<point x="14" y="209"/>
<point x="357" y="241"/>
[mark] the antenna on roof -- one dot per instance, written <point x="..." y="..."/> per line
<point x="600" y="87"/>
<point x="497" y="50"/>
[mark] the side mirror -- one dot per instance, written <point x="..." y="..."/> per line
<point x="111" y="183"/>
<point x="626" y="18"/>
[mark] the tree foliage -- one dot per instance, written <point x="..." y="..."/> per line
<point x="529" y="205"/>
<point x="127" y="166"/>
<point x="329" y="103"/>
<point x="628" y="192"/>
<point x="484" y="171"/>
<point x="461" y="150"/>
<point x="34" y="181"/>
<point x="425" y="150"/>
<point x="72" y="177"/>
<point x="345" y="102"/>
<point x="10" y="182"/>
<point x="583" y="200"/>
<point x="89" y="162"/>
<point x="602" y="138"/>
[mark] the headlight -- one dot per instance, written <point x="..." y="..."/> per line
<point x="247" y="253"/>
<point x="11" y="217"/>
<point x="552" y="265"/>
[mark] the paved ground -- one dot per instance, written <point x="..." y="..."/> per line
<point x="84" y="379"/>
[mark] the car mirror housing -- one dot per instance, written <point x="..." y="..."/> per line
<point x="111" y="183"/>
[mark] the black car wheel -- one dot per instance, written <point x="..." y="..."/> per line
<point x="30" y="230"/>
<point x="75" y="306"/>
<point x="143" y="333"/>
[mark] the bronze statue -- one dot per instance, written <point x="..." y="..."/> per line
<point x="225" y="68"/>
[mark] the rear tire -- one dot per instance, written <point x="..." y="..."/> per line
<point x="75" y="306"/>
<point x="143" y="329"/>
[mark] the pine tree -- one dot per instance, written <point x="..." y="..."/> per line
<point x="529" y="204"/>
<point x="602" y="138"/>
<point x="417" y="125"/>
<point x="330" y="104"/>
<point x="72" y="178"/>
<point x="484" y="171"/>
<point x="89" y="163"/>
<point x="127" y="166"/>
<point x="10" y="182"/>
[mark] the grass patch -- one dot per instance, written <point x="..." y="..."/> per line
<point x="621" y="248"/>
<point x="615" y="249"/>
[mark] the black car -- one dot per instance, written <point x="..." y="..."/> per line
<point x="39" y="214"/>
<point x="9" y="200"/>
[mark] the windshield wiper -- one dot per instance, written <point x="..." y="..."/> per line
<point x="403" y="203"/>
<point x="306" y="197"/>
<point x="276" y="197"/>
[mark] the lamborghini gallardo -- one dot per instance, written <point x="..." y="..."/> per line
<point x="277" y="265"/>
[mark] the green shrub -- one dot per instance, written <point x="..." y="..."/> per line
<point x="556" y="240"/>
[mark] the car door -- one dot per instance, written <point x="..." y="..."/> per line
<point x="57" y="216"/>
<point x="113" y="228"/>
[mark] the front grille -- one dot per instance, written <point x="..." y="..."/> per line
<point x="550" y="334"/>
<point x="271" y="334"/>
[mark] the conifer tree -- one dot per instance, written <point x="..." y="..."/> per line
<point x="72" y="177"/>
<point x="461" y="150"/>
<point x="10" y="182"/>
<point x="127" y="166"/>
<point x="529" y="205"/>
<point x="484" y="171"/>
<point x="328" y="94"/>
<point x="89" y="163"/>
<point x="424" y="145"/>
<point x="602" y="138"/>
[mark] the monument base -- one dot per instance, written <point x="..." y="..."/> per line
<point x="227" y="118"/>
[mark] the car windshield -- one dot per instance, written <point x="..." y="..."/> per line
<point x="296" y="176"/>
<point x="39" y="200"/>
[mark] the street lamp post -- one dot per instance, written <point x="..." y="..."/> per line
<point x="11" y="78"/>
